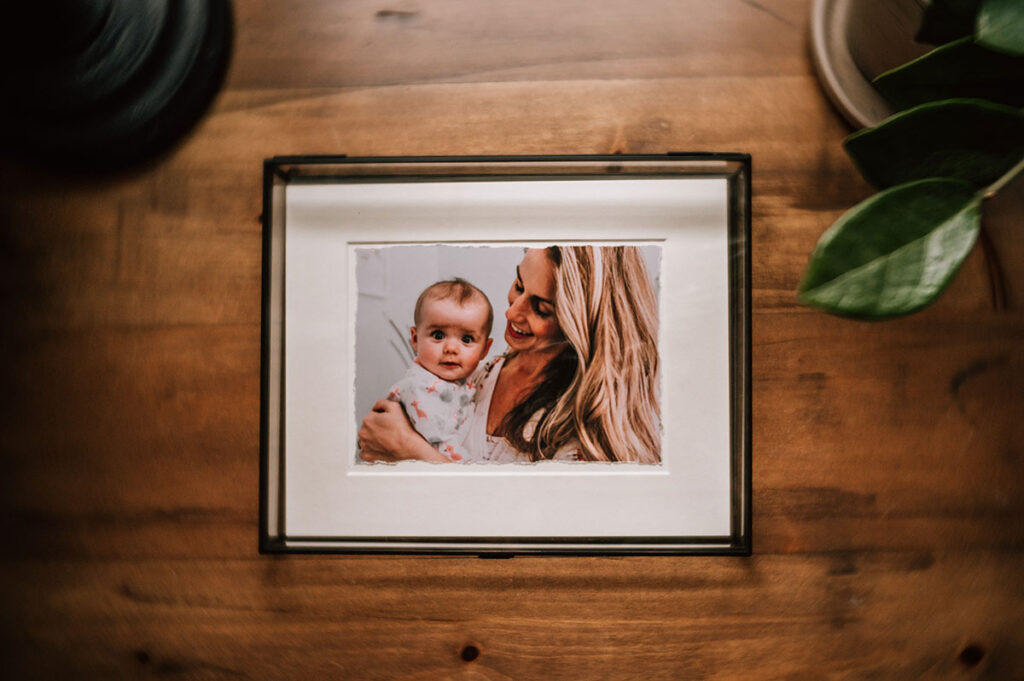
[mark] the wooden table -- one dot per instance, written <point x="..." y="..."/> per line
<point x="888" y="515"/>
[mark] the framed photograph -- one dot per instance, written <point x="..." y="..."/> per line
<point x="506" y="355"/>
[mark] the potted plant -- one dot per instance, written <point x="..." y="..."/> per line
<point x="956" y="139"/>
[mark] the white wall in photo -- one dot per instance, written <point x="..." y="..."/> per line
<point x="389" y="279"/>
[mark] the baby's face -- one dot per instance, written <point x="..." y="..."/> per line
<point x="449" y="340"/>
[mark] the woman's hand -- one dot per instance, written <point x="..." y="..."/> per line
<point x="387" y="435"/>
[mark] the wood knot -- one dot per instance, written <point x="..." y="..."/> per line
<point x="971" y="655"/>
<point x="398" y="14"/>
<point x="470" y="653"/>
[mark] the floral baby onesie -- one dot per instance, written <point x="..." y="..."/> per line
<point x="437" y="408"/>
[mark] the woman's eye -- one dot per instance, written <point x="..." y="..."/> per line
<point x="518" y="287"/>
<point x="436" y="335"/>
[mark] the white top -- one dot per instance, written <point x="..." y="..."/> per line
<point x="438" y="409"/>
<point x="491" y="448"/>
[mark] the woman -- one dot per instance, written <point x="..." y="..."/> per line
<point x="579" y="380"/>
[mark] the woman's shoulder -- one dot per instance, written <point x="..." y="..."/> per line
<point x="486" y="370"/>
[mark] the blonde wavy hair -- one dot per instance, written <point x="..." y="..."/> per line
<point x="608" y="312"/>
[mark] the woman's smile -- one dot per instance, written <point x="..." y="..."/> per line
<point x="518" y="332"/>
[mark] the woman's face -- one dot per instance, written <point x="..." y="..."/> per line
<point x="531" y="305"/>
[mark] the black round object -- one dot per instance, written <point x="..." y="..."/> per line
<point x="107" y="83"/>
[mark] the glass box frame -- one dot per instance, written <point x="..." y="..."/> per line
<point x="293" y="177"/>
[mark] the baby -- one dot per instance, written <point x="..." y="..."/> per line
<point x="452" y="334"/>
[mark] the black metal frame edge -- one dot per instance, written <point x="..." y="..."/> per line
<point x="344" y="159"/>
<point x="266" y="543"/>
<point x="740" y="544"/>
<point x="282" y="548"/>
<point x="746" y="537"/>
<point x="748" y="407"/>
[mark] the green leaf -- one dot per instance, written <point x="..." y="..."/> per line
<point x="955" y="70"/>
<point x="965" y="139"/>
<point x="893" y="253"/>
<point x="1000" y="26"/>
<point x="945" y="20"/>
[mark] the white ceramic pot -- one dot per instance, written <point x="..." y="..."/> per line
<point x="853" y="41"/>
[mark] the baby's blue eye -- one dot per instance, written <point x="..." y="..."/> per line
<point x="467" y="339"/>
<point x="437" y="335"/>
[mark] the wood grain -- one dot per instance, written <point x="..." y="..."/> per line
<point x="888" y="521"/>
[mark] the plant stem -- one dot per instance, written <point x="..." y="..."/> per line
<point x="996" y="283"/>
<point x="1007" y="177"/>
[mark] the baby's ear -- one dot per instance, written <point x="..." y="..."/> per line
<point x="487" y="346"/>
<point x="412" y="338"/>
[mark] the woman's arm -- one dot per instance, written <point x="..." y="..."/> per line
<point x="387" y="435"/>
